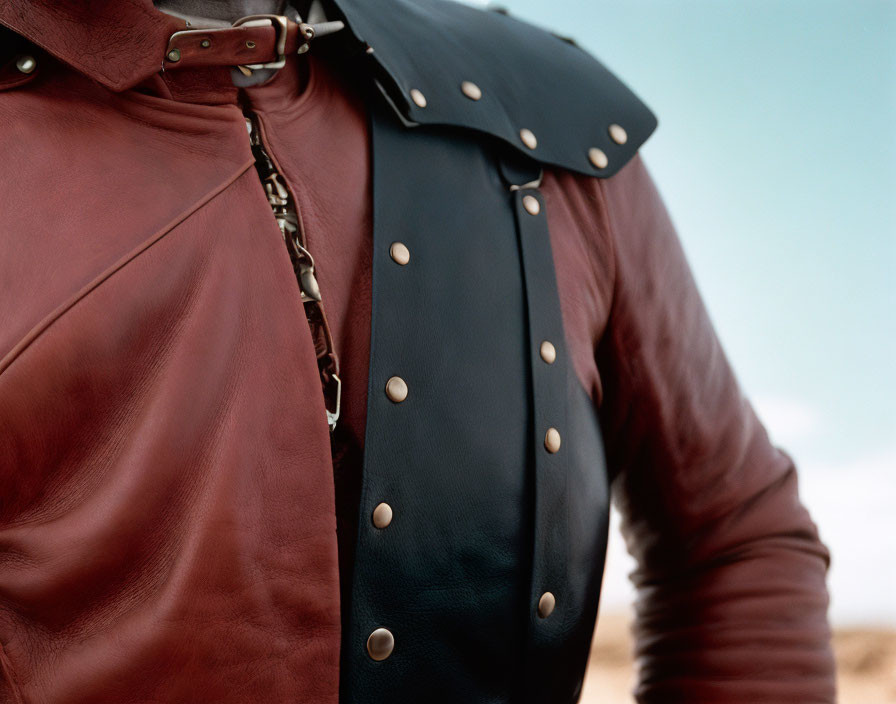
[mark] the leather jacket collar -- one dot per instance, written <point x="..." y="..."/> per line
<point x="118" y="43"/>
<point x="122" y="44"/>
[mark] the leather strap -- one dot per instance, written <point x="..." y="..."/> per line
<point x="549" y="399"/>
<point x="261" y="39"/>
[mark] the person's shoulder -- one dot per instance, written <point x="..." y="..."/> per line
<point x="445" y="63"/>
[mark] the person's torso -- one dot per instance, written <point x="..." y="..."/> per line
<point x="174" y="501"/>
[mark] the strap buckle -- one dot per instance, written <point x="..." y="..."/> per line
<point x="280" y="25"/>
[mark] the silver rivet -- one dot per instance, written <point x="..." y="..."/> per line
<point x="396" y="389"/>
<point x="548" y="352"/>
<point x="598" y="158"/>
<point x="418" y="98"/>
<point x="528" y="138"/>
<point x="552" y="440"/>
<point x="26" y="64"/>
<point x="617" y="134"/>
<point x="546" y="605"/>
<point x="400" y="253"/>
<point x="382" y="515"/>
<point x="174" y="55"/>
<point x="531" y="204"/>
<point x="471" y="90"/>
<point x="380" y="644"/>
<point x="205" y="43"/>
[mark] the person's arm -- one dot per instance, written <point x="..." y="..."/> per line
<point x="732" y="601"/>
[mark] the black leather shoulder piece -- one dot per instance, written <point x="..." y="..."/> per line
<point x="532" y="83"/>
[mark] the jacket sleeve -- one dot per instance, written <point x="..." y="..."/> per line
<point x="732" y="601"/>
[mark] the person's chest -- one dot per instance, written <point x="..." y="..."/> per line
<point x="159" y="374"/>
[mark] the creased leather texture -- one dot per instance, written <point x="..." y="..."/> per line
<point x="167" y="513"/>
<point x="169" y="530"/>
<point x="117" y="42"/>
<point x="9" y="690"/>
<point x="731" y="572"/>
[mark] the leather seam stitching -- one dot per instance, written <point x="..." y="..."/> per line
<point x="62" y="309"/>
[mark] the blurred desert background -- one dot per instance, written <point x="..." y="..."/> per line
<point x="776" y="157"/>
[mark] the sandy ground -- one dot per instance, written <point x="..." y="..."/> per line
<point x="866" y="663"/>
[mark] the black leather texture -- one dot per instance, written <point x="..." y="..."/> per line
<point x="529" y="79"/>
<point x="485" y="519"/>
<point x="557" y="643"/>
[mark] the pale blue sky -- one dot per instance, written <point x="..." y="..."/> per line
<point x="776" y="156"/>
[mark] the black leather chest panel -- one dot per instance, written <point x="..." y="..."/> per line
<point x="479" y="527"/>
<point x="449" y="324"/>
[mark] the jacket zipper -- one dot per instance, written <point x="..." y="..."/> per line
<point x="288" y="221"/>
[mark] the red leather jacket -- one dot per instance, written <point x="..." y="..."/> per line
<point x="170" y="528"/>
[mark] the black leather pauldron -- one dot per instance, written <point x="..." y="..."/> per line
<point x="528" y="78"/>
<point x="490" y="514"/>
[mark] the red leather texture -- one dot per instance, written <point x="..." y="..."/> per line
<point x="170" y="528"/>
<point x="731" y="572"/>
<point x="117" y="42"/>
<point x="167" y="530"/>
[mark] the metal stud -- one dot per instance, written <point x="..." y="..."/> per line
<point x="399" y="252"/>
<point x="528" y="138"/>
<point x="382" y="515"/>
<point x="531" y="204"/>
<point x="418" y="98"/>
<point x="617" y="134"/>
<point x="380" y="644"/>
<point x="250" y="44"/>
<point x="26" y="64"/>
<point x="471" y="90"/>
<point x="174" y="55"/>
<point x="552" y="440"/>
<point x="548" y="352"/>
<point x="598" y="158"/>
<point x="396" y="389"/>
<point x="205" y="43"/>
<point x="546" y="605"/>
